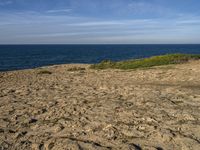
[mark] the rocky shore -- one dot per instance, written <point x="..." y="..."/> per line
<point x="76" y="108"/>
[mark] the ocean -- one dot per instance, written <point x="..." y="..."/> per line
<point x="15" y="57"/>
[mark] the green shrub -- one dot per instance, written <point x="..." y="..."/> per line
<point x="146" y="62"/>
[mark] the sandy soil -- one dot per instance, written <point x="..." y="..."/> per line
<point x="152" y="109"/>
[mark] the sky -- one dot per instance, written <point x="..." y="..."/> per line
<point x="99" y="21"/>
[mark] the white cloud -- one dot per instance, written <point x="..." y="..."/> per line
<point x="189" y="22"/>
<point x="49" y="27"/>
<point x="59" y="11"/>
<point x="97" y="23"/>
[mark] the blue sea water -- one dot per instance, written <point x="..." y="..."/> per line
<point x="14" y="57"/>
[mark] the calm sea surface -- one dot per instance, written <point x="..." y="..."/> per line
<point x="14" y="57"/>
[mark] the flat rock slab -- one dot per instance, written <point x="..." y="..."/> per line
<point x="64" y="107"/>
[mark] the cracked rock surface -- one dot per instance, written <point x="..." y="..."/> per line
<point x="72" y="109"/>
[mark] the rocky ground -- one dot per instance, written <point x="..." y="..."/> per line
<point x="60" y="107"/>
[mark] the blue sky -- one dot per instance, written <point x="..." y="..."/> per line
<point x="99" y="21"/>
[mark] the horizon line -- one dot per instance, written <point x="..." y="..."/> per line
<point x="104" y="44"/>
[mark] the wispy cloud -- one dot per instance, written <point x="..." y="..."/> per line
<point x="97" y="23"/>
<point x="139" y="6"/>
<point x="90" y="29"/>
<point x="149" y="8"/>
<point x="59" y="11"/>
<point x="77" y="25"/>
<point x="189" y="22"/>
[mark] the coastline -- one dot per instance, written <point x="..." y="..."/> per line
<point x="156" y="108"/>
<point x="19" y="57"/>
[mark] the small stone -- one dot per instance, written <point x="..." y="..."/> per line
<point x="33" y="120"/>
<point x="110" y="132"/>
<point x="141" y="128"/>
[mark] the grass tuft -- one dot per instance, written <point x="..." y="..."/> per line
<point x="146" y="62"/>
<point x="44" y="72"/>
<point x="76" y="69"/>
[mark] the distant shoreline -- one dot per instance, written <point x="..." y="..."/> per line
<point x="17" y="57"/>
<point x="132" y="63"/>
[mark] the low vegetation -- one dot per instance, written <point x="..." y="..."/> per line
<point x="44" y="72"/>
<point x="146" y="62"/>
<point x="76" y="69"/>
